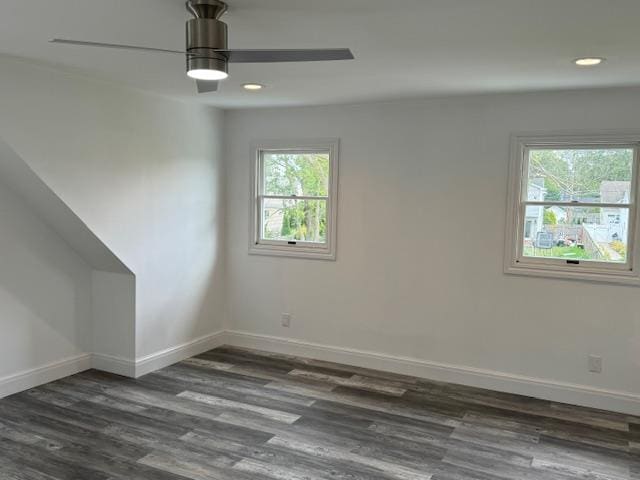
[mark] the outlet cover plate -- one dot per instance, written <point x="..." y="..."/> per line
<point x="595" y="364"/>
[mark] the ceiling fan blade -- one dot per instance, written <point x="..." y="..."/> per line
<point x="113" y="45"/>
<point x="207" y="86"/>
<point x="274" y="56"/>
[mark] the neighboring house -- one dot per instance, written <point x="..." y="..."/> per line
<point x="616" y="220"/>
<point x="534" y="216"/>
<point x="273" y="220"/>
<point x="559" y="212"/>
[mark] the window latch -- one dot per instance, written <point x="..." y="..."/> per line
<point x="573" y="262"/>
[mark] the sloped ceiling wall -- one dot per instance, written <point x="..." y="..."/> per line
<point x="45" y="296"/>
<point x="142" y="174"/>
<point x="20" y="178"/>
<point x="70" y="291"/>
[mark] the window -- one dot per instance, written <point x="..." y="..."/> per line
<point x="572" y="209"/>
<point x="294" y="199"/>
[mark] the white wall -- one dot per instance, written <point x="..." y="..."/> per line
<point x="113" y="320"/>
<point x="145" y="174"/>
<point x="45" y="306"/>
<point x="420" y="244"/>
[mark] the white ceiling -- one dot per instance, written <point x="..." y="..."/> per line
<point x="404" y="48"/>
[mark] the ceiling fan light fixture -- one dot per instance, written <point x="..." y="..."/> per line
<point x="207" y="51"/>
<point x="204" y="74"/>
<point x="204" y="68"/>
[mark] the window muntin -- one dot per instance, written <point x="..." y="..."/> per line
<point x="294" y="200"/>
<point x="573" y="208"/>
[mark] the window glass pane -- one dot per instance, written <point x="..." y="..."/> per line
<point x="567" y="175"/>
<point x="301" y="174"/>
<point x="576" y="233"/>
<point x="295" y="220"/>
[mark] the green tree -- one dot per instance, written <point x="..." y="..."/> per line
<point x="577" y="174"/>
<point x="550" y="218"/>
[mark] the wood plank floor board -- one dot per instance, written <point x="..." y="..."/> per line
<point x="455" y="472"/>
<point x="354" y="381"/>
<point x="52" y="396"/>
<point x="257" y="396"/>
<point x="207" y="384"/>
<point x="296" y="432"/>
<point x="363" y="464"/>
<point x="52" y="424"/>
<point x="369" y="444"/>
<point x="433" y="425"/>
<point x="217" y="427"/>
<point x="186" y="467"/>
<point x="285" y="458"/>
<point x="238" y="414"/>
<point x="357" y="404"/>
<point x="264" y="364"/>
<point x="166" y="401"/>
<point x="266" y="470"/>
<point x="550" y="426"/>
<point x="282" y="363"/>
<point x="241" y="407"/>
<point x="114" y="415"/>
<point x="350" y="370"/>
<point x="45" y="462"/>
<point x="104" y="459"/>
<point x="230" y="376"/>
<point x="10" y="469"/>
<point x="578" y="454"/>
<point x="300" y="382"/>
<point x="426" y="410"/>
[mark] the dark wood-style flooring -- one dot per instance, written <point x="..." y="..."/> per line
<point x="233" y="414"/>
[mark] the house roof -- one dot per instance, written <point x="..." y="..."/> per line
<point x="558" y="210"/>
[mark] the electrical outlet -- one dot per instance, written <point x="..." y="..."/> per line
<point x="595" y="364"/>
<point x="286" y="320"/>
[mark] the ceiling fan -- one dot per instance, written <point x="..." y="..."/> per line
<point x="207" y="54"/>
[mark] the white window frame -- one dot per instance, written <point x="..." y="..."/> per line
<point x="307" y="250"/>
<point x="516" y="263"/>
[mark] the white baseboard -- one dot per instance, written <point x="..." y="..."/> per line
<point x="164" y="358"/>
<point x="616" y="401"/>
<point x="111" y="364"/>
<point x="158" y="360"/>
<point x="574" y="394"/>
<point x="50" y="372"/>
<point x="120" y="366"/>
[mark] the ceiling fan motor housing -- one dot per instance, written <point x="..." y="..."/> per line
<point x="205" y="34"/>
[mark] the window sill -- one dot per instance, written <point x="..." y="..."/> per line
<point x="292" y="252"/>
<point x="619" y="277"/>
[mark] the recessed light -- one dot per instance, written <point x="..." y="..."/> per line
<point x="253" y="87"/>
<point x="588" y="61"/>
